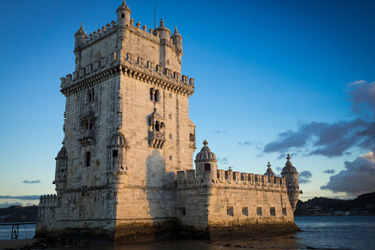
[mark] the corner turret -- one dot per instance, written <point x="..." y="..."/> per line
<point x="164" y="32"/>
<point x="206" y="164"/>
<point x="123" y="15"/>
<point x="269" y="171"/>
<point x="290" y="173"/>
<point x="177" y="42"/>
<point x="80" y="37"/>
<point x="61" y="171"/>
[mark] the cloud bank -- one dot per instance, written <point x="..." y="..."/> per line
<point x="31" y="182"/>
<point x="329" y="171"/>
<point x="362" y="96"/>
<point x="357" y="178"/>
<point x="304" y="177"/>
<point x="331" y="140"/>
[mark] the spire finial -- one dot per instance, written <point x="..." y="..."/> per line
<point x="205" y="143"/>
<point x="288" y="157"/>
<point x="123" y="2"/>
<point x="81" y="25"/>
<point x="162" y="23"/>
<point x="269" y="165"/>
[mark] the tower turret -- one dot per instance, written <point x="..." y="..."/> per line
<point x="177" y="41"/>
<point x="61" y="171"/>
<point x="164" y="32"/>
<point x="80" y="37"/>
<point x="123" y="15"/>
<point x="291" y="175"/>
<point x="269" y="171"/>
<point x="206" y="164"/>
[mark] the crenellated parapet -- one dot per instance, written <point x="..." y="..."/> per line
<point x="231" y="179"/>
<point x="49" y="200"/>
<point x="151" y="35"/>
<point x="131" y="66"/>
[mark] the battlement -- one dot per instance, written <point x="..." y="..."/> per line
<point x="136" y="67"/>
<point x="49" y="200"/>
<point x="109" y="28"/>
<point x="230" y="179"/>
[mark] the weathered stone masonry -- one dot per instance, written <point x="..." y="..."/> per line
<point x="125" y="171"/>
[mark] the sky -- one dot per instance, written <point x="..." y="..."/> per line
<point x="271" y="78"/>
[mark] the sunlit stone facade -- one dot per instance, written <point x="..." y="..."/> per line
<point x="125" y="171"/>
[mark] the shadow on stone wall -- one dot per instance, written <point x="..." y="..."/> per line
<point x="160" y="195"/>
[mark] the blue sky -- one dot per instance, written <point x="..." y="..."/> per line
<point x="271" y="77"/>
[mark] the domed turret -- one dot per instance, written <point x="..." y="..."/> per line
<point x="177" y="41"/>
<point x="269" y="171"/>
<point x="123" y="15"/>
<point x="80" y="37"/>
<point x="117" y="152"/>
<point x="290" y="173"/>
<point x="206" y="163"/>
<point x="61" y="171"/>
<point x="164" y="32"/>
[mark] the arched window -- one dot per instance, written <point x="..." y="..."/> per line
<point x="88" y="159"/>
<point x="156" y="96"/>
<point x="157" y="127"/>
<point x="151" y="94"/>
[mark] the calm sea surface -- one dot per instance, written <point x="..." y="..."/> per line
<point x="328" y="232"/>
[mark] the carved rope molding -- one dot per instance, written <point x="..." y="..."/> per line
<point x="170" y="84"/>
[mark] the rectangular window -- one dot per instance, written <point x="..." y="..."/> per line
<point x="245" y="211"/>
<point x="114" y="153"/>
<point x="230" y="211"/>
<point x="207" y="167"/>
<point x="192" y="137"/>
<point x="273" y="211"/>
<point x="182" y="210"/>
<point x="259" y="211"/>
<point x="284" y="211"/>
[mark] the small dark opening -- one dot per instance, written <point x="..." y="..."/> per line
<point x="114" y="153"/>
<point x="207" y="167"/>
<point x="192" y="137"/>
<point x="88" y="159"/>
<point x="122" y="15"/>
<point x="156" y="96"/>
<point x="157" y="128"/>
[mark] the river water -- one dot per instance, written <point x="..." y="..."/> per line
<point x="321" y="232"/>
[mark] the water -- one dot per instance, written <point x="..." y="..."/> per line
<point x="337" y="232"/>
<point x="326" y="232"/>
<point x="25" y="231"/>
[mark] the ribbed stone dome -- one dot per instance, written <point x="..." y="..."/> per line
<point x="205" y="154"/>
<point x="269" y="171"/>
<point x="123" y="6"/>
<point x="81" y="31"/>
<point x="118" y="140"/>
<point x="62" y="153"/>
<point x="289" y="168"/>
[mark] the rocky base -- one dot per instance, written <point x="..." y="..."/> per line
<point x="47" y="243"/>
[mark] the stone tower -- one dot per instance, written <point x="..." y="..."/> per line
<point x="127" y="130"/>
<point x="290" y="173"/>
<point x="125" y="170"/>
